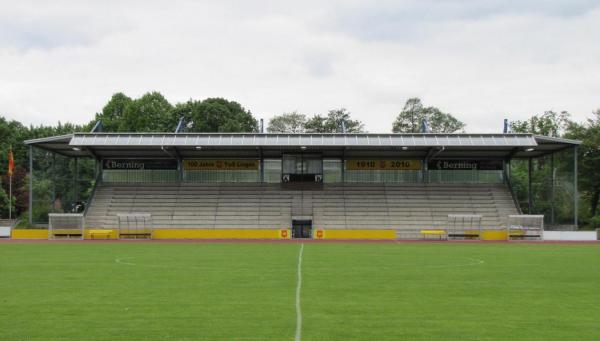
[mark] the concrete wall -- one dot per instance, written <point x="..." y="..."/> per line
<point x="571" y="235"/>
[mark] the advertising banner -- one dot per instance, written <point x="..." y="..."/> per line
<point x="139" y="164"/>
<point x="383" y="164"/>
<point x="199" y="164"/>
<point x="465" y="164"/>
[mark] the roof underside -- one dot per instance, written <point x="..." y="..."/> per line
<point x="188" y="145"/>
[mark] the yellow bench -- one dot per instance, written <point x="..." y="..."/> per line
<point x="439" y="233"/>
<point x="104" y="234"/>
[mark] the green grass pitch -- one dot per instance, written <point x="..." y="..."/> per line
<point x="246" y="291"/>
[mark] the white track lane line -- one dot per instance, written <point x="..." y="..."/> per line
<point x="298" y="288"/>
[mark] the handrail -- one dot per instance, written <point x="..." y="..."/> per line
<point x="514" y="196"/>
<point x="92" y="195"/>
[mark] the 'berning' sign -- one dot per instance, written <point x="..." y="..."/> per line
<point x="465" y="164"/>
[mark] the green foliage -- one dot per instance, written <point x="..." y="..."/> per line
<point x="413" y="114"/>
<point x="113" y="112"/>
<point x="215" y="115"/>
<point x="13" y="134"/>
<point x="153" y="113"/>
<point x="292" y="122"/>
<point x="149" y="113"/>
<point x="559" y="124"/>
<point x="595" y="222"/>
<point x="549" y="123"/>
<point x="589" y="158"/>
<point x="19" y="189"/>
<point x="316" y="124"/>
<point x="332" y="123"/>
<point x="55" y="175"/>
<point x="4" y="203"/>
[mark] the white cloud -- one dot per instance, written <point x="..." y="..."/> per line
<point x="480" y="60"/>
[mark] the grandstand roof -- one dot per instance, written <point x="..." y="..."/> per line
<point x="197" y="144"/>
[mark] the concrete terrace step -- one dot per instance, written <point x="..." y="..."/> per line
<point x="336" y="206"/>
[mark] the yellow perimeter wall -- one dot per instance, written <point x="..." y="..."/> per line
<point x="250" y="234"/>
<point x="30" y="234"/>
<point x="220" y="234"/>
<point x="354" y="234"/>
<point x="174" y="234"/>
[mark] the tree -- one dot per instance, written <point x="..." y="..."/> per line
<point x="292" y="122"/>
<point x="413" y="114"/>
<point x="589" y="158"/>
<point x="20" y="192"/>
<point x="4" y="203"/>
<point x="216" y="115"/>
<point x="316" y="124"/>
<point x="113" y="112"/>
<point x="149" y="113"/>
<point x="332" y="123"/>
<point x="549" y="123"/>
<point x="410" y="118"/>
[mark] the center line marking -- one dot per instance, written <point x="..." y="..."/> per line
<point x="298" y="287"/>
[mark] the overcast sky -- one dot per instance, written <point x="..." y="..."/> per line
<point x="481" y="60"/>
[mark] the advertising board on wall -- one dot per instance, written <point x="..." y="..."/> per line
<point x="201" y="164"/>
<point x="464" y="164"/>
<point x="139" y="164"/>
<point x="383" y="164"/>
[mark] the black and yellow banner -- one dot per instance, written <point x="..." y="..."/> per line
<point x="465" y="164"/>
<point x="220" y="164"/>
<point x="383" y="164"/>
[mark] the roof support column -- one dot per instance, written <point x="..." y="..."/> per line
<point x="425" y="166"/>
<point x="552" y="181"/>
<point x="30" y="185"/>
<point x="261" y="165"/>
<point x="529" y="191"/>
<point x="575" y="187"/>
<point x="344" y="165"/>
<point x="180" y="168"/>
<point x="76" y="181"/>
<point x="54" y="181"/>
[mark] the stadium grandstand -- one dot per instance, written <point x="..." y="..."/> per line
<point x="280" y="186"/>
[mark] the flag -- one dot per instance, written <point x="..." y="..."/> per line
<point x="11" y="162"/>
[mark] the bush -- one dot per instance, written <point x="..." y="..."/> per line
<point x="595" y="222"/>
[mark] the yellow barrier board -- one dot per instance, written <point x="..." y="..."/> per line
<point x="383" y="164"/>
<point x="434" y="232"/>
<point x="190" y="165"/>
<point x="494" y="235"/>
<point x="29" y="234"/>
<point x="355" y="234"/>
<point x="221" y="234"/>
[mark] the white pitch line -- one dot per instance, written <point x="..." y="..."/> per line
<point x="298" y="287"/>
